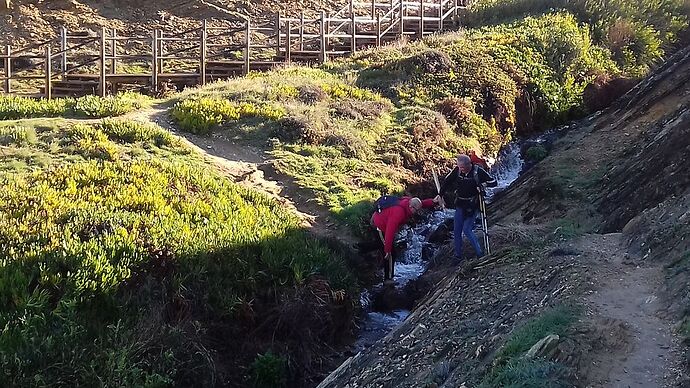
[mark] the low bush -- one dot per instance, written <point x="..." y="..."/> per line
<point x="17" y="135"/>
<point x="202" y="115"/>
<point x="15" y="107"/>
<point x="99" y="257"/>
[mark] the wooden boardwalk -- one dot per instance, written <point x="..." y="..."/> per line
<point x="79" y="63"/>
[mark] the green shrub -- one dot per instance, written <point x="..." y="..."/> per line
<point x="528" y="374"/>
<point x="536" y="153"/>
<point x="635" y="31"/>
<point x="202" y="115"/>
<point x="92" y="230"/>
<point x="17" y="135"/>
<point x="128" y="131"/>
<point x="268" y="371"/>
<point x="14" y="107"/>
<point x="554" y="321"/>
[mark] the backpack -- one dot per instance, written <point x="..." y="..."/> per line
<point x="386" y="201"/>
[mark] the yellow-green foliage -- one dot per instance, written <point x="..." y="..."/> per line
<point x="128" y="131"/>
<point x="17" y="135"/>
<point x="35" y="144"/>
<point x="94" y="254"/>
<point x="543" y="63"/>
<point x="635" y="32"/>
<point x="202" y="115"/>
<point x="14" y="107"/>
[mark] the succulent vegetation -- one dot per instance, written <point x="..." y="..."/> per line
<point x="121" y="250"/>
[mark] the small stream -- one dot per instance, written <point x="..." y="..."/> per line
<point x="414" y="260"/>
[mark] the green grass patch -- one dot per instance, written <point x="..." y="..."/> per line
<point x="14" y="107"/>
<point x="37" y="144"/>
<point x="634" y="32"/>
<point x="117" y="239"/>
<point x="536" y="153"/>
<point x="17" y="135"/>
<point x="520" y="373"/>
<point x="554" y="321"/>
<point x="512" y="370"/>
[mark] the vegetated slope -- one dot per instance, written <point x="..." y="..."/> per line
<point x="623" y="170"/>
<point x="127" y="261"/>
<point x="432" y="98"/>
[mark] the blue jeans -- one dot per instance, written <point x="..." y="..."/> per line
<point x="464" y="222"/>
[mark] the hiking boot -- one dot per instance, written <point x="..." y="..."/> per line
<point x="389" y="283"/>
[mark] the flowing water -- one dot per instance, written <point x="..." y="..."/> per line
<point x="414" y="260"/>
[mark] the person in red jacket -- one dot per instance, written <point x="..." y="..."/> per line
<point x="476" y="159"/>
<point x="389" y="220"/>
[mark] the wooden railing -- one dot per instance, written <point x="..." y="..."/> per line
<point x="187" y="54"/>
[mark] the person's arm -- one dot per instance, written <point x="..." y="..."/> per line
<point x="392" y="225"/>
<point x="448" y="180"/>
<point x="487" y="179"/>
<point x="428" y="203"/>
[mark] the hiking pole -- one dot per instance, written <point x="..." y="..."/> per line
<point x="438" y="186"/>
<point x="485" y="224"/>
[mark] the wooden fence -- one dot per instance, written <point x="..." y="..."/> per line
<point x="78" y="63"/>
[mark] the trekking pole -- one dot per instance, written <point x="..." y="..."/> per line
<point x="485" y="224"/>
<point x="438" y="186"/>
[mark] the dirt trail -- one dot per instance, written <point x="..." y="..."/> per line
<point x="626" y="291"/>
<point x="253" y="168"/>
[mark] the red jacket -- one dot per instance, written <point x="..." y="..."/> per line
<point x="476" y="159"/>
<point x="389" y="220"/>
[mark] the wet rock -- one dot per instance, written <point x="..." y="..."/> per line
<point x="442" y="233"/>
<point x="544" y="347"/>
<point x="392" y="298"/>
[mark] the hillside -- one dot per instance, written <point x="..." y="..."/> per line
<point x="598" y="224"/>
<point x="207" y="237"/>
<point x="28" y="21"/>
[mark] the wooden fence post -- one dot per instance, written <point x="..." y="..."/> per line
<point x="113" y="53"/>
<point x="101" y="80"/>
<point x="154" y="61"/>
<point x="278" y="34"/>
<point x="322" y="32"/>
<point x="378" y="30"/>
<point x="328" y="30"/>
<point x="455" y="14"/>
<point x="440" y="15"/>
<point x="301" y="31"/>
<point x="202" y="59"/>
<point x="402" y="19"/>
<point x="421" y="19"/>
<point x="8" y="70"/>
<point x="353" y="28"/>
<point x="288" y="39"/>
<point x="247" y="43"/>
<point x="49" y="74"/>
<point x="161" y="53"/>
<point x="373" y="9"/>
<point x="63" y="49"/>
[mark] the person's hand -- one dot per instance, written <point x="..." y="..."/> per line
<point x="439" y="201"/>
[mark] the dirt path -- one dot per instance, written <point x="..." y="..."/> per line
<point x="625" y="291"/>
<point x="253" y="168"/>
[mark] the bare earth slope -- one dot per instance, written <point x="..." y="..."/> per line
<point x="623" y="172"/>
<point x="29" y="21"/>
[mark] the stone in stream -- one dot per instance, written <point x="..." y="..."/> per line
<point x="442" y="233"/>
